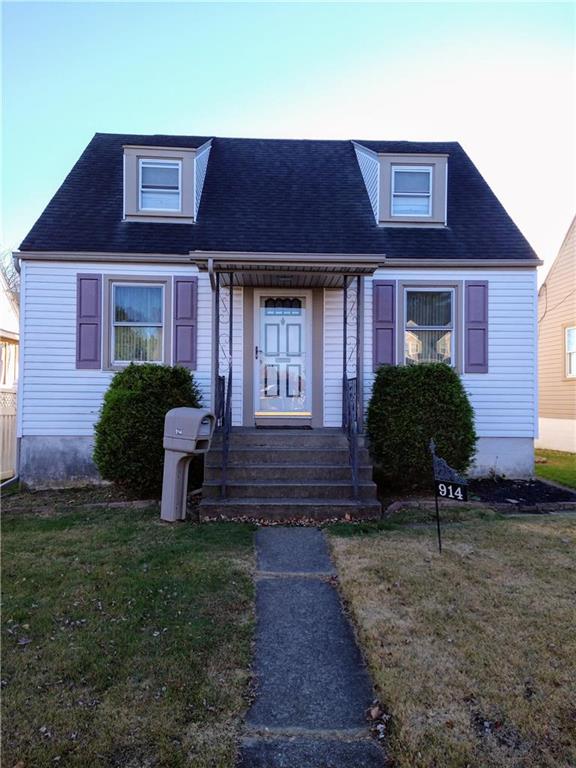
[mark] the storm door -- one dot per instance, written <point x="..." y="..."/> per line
<point x="282" y="335"/>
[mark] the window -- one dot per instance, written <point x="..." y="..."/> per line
<point x="279" y="306"/>
<point x="137" y="323"/>
<point x="571" y="352"/>
<point x="411" y="190"/>
<point x="429" y="326"/>
<point x="160" y="185"/>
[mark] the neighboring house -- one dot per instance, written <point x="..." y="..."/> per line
<point x="557" y="350"/>
<point x="9" y="336"/>
<point x="340" y="256"/>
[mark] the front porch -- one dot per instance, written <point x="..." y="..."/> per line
<point x="288" y="364"/>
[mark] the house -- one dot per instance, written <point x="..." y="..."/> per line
<point x="282" y="273"/>
<point x="557" y="350"/>
<point x="9" y="336"/>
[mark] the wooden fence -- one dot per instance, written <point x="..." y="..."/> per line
<point x="7" y="432"/>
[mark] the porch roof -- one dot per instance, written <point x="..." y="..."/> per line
<point x="287" y="270"/>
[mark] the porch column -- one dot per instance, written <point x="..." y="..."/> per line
<point x="360" y="352"/>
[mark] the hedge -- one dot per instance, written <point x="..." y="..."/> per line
<point x="129" y="433"/>
<point x="409" y="405"/>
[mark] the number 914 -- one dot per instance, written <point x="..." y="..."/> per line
<point x="451" y="491"/>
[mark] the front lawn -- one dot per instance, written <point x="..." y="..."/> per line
<point x="126" y="641"/>
<point x="473" y="651"/>
<point x="559" y="466"/>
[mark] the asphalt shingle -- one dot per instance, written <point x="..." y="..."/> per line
<point x="274" y="195"/>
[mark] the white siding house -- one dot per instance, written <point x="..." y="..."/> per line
<point x="293" y="248"/>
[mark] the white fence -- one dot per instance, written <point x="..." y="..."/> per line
<point x="7" y="433"/>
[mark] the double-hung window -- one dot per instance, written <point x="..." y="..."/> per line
<point x="429" y="326"/>
<point x="160" y="185"/>
<point x="138" y="323"/>
<point x="411" y="190"/>
<point x="571" y="352"/>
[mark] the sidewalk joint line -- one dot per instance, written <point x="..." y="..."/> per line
<point x="323" y="575"/>
<point x="337" y="734"/>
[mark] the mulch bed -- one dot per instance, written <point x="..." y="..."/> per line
<point x="521" y="492"/>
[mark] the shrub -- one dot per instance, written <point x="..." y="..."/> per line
<point x="410" y="405"/>
<point x="129" y="433"/>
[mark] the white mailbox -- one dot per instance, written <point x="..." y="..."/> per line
<point x="187" y="432"/>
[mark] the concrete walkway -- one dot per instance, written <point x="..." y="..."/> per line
<point x="312" y="689"/>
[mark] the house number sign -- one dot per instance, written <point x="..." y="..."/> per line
<point x="454" y="491"/>
<point x="448" y="484"/>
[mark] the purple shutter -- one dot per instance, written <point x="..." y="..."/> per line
<point x="384" y="321"/>
<point x="476" y="327"/>
<point x="88" y="321"/>
<point x="185" y="321"/>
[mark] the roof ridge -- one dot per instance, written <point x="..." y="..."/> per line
<point x="344" y="140"/>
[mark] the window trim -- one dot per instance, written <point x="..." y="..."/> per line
<point x="567" y="373"/>
<point x="108" y="324"/>
<point x="439" y="163"/>
<point x="457" y="343"/>
<point x="161" y="162"/>
<point x="133" y="211"/>
<point x="429" y="169"/>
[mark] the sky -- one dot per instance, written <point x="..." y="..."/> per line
<point x="500" y="78"/>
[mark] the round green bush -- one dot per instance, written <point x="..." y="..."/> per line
<point x="410" y="405"/>
<point x="129" y="434"/>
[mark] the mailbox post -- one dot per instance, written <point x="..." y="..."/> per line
<point x="187" y="432"/>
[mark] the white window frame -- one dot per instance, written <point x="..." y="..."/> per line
<point x="567" y="354"/>
<point x="116" y="324"/>
<point x="159" y="162"/>
<point x="452" y="328"/>
<point x="393" y="194"/>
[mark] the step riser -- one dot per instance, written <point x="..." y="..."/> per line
<point x="308" y="440"/>
<point x="288" y="473"/>
<point x="277" y="490"/>
<point x="241" y="458"/>
<point x="276" y="456"/>
<point x="285" y="512"/>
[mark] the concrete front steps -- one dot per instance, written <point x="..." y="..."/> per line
<point x="283" y="474"/>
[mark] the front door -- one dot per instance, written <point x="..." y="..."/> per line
<point x="282" y="354"/>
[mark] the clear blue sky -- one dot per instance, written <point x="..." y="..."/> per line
<point x="497" y="77"/>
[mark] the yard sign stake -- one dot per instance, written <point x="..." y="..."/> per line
<point x="448" y="484"/>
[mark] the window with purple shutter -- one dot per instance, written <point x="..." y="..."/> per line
<point x="185" y="321"/>
<point x="384" y="322"/>
<point x="89" y="321"/>
<point x="476" y="327"/>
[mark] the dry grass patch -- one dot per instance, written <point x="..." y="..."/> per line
<point x="126" y="641"/>
<point x="473" y="651"/>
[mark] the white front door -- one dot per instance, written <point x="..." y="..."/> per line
<point x="282" y="333"/>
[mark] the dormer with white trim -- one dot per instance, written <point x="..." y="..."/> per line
<point x="405" y="190"/>
<point x="164" y="184"/>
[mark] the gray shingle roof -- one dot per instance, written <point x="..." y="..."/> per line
<point x="274" y="195"/>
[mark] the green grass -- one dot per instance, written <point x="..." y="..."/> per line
<point x="560" y="467"/>
<point x="126" y="641"/>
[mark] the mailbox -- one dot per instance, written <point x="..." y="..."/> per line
<point x="187" y="432"/>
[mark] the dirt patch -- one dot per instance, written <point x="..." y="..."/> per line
<point x="521" y="492"/>
<point x="18" y="499"/>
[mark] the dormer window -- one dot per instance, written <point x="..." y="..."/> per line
<point x="411" y="190"/>
<point x="160" y="185"/>
<point x="405" y="189"/>
<point x="164" y="184"/>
